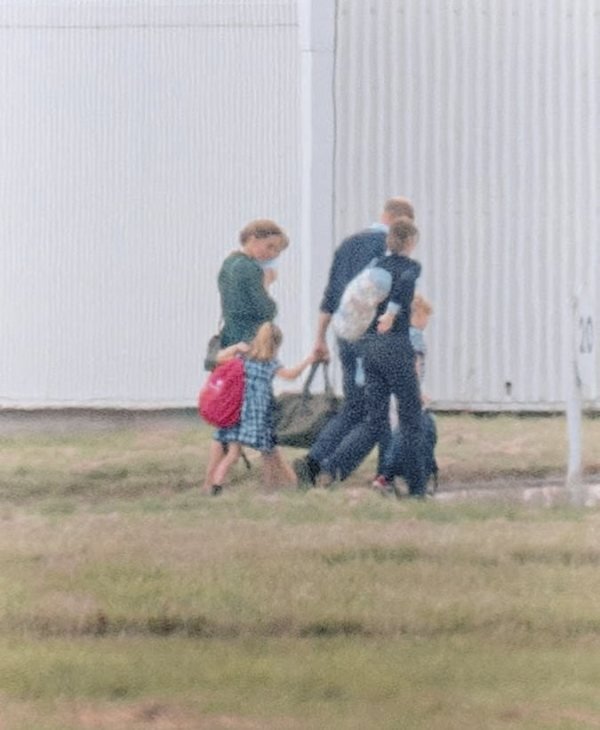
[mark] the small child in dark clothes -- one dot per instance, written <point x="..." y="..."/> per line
<point x="421" y="311"/>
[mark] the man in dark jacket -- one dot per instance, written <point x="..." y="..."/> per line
<point x="351" y="256"/>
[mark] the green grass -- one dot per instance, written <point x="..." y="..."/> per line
<point x="138" y="463"/>
<point x="410" y="683"/>
<point x="128" y="599"/>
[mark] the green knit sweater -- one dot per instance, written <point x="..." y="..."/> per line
<point x="245" y="303"/>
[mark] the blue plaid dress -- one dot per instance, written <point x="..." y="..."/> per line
<point x="256" y="426"/>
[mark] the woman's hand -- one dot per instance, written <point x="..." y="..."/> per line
<point x="270" y="276"/>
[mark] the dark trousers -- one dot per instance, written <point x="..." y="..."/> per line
<point x="351" y="412"/>
<point x="389" y="368"/>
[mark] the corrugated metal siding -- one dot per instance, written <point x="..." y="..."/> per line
<point x="135" y="142"/>
<point x="485" y="113"/>
<point x="136" y="139"/>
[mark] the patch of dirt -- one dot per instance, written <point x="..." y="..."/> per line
<point x="91" y="420"/>
<point x="154" y="715"/>
<point x="523" y="713"/>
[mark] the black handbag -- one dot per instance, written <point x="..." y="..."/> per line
<point x="300" y="416"/>
<point x="213" y="347"/>
<point x="212" y="350"/>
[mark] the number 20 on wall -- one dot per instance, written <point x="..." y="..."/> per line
<point x="586" y="335"/>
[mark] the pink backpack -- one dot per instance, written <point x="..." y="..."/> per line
<point x="220" y="399"/>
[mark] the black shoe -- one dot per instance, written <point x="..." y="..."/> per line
<point x="306" y="469"/>
<point x="216" y="489"/>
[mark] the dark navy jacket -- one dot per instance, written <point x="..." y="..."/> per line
<point x="350" y="257"/>
<point x="405" y="272"/>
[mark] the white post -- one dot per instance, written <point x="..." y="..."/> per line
<point x="574" y="483"/>
<point x="317" y="45"/>
<point x="580" y="373"/>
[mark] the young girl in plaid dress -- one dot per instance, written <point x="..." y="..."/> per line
<point x="256" y="428"/>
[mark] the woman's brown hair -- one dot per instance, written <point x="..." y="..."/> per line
<point x="263" y="228"/>
<point x="401" y="232"/>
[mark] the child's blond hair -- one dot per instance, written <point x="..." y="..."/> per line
<point x="266" y="342"/>
<point x="420" y="303"/>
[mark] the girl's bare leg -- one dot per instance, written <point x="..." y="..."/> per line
<point x="216" y="451"/>
<point x="276" y="471"/>
<point x="223" y="467"/>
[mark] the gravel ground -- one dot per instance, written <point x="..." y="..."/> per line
<point x="90" y="420"/>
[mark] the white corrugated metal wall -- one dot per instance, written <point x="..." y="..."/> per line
<point x="136" y="139"/>
<point x="485" y="113"/>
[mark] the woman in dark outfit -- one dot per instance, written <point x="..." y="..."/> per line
<point x="389" y="365"/>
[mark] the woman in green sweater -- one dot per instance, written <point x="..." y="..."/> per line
<point x="245" y="302"/>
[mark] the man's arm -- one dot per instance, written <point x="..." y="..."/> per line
<point x="320" y="348"/>
<point x="334" y="289"/>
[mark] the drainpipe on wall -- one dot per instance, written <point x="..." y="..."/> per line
<point x="317" y="46"/>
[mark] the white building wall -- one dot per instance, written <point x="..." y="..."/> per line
<point x="136" y="139"/>
<point x="486" y="114"/>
